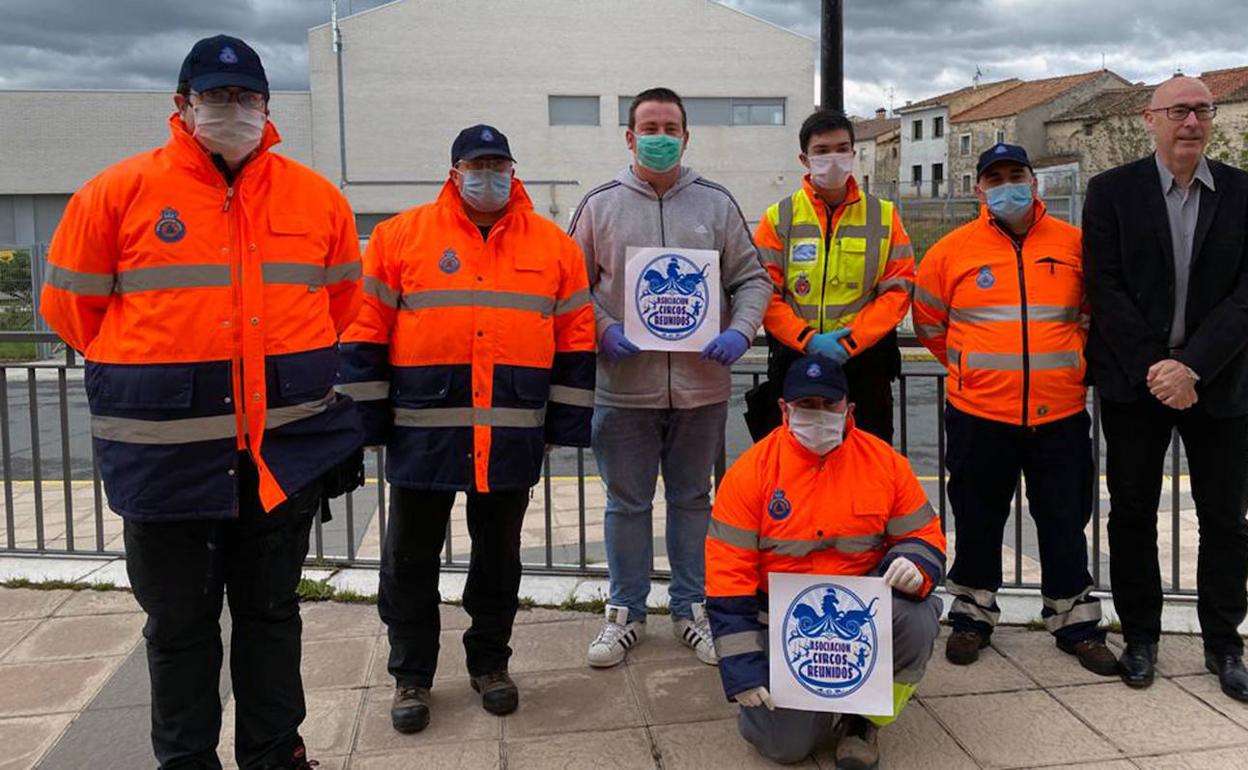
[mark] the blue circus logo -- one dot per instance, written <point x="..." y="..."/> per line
<point x="672" y="296"/>
<point x="985" y="279"/>
<point x="170" y="229"/>
<point x="830" y="640"/>
<point x="779" y="508"/>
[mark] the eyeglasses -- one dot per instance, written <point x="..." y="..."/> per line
<point x="1179" y="112"/>
<point x="219" y="97"/>
<point x="486" y="164"/>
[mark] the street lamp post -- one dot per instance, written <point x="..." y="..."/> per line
<point x="831" y="45"/>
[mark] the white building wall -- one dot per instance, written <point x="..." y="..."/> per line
<point x="924" y="152"/>
<point x="416" y="72"/>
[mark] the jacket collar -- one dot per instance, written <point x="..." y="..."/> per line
<point x="853" y="194"/>
<point x="986" y="219"/>
<point x="519" y="201"/>
<point x="850" y="429"/>
<point x="185" y="150"/>
<point x="629" y="179"/>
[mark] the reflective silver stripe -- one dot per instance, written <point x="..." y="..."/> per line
<point x="1013" y="362"/>
<point x="574" y="301"/>
<point x="928" y="331"/>
<point x="931" y="300"/>
<point x="981" y="596"/>
<point x="904" y="525"/>
<point x="876" y="234"/>
<point x="732" y="535"/>
<point x="905" y="284"/>
<point x="806" y="230"/>
<point x="851" y="231"/>
<point x="1066" y="605"/>
<point x="384" y="294"/>
<point x="173" y="277"/>
<point x="86" y="284"/>
<point x="1088" y="612"/>
<point x="808" y="312"/>
<point x="847" y="544"/>
<point x="465" y="416"/>
<point x="740" y="643"/>
<point x="347" y="271"/>
<point x="974" y="611"/>
<point x="954" y="355"/>
<point x="763" y="617"/>
<point x="293" y="272"/>
<point x="375" y="390"/>
<point x="901" y="251"/>
<point x="992" y="313"/>
<point x="772" y="257"/>
<point x="833" y="312"/>
<point x="504" y="300"/>
<point x="562" y="394"/>
<point x="191" y="429"/>
<point x="784" y="218"/>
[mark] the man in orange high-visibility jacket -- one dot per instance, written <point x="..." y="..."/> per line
<point x="818" y="496"/>
<point x="474" y="350"/>
<point x="206" y="282"/>
<point x="1000" y="302"/>
<point x="842" y="270"/>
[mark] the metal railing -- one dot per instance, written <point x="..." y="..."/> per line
<point x="45" y="452"/>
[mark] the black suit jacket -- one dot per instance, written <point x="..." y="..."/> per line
<point x="1129" y="268"/>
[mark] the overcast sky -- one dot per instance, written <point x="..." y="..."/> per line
<point x="911" y="48"/>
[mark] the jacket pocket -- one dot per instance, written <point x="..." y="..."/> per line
<point x="305" y="376"/>
<point x="530" y="387"/>
<point x="161" y="386"/>
<point x="422" y="386"/>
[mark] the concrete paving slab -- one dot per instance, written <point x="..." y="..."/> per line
<point x="538" y="615"/>
<point x="328" y="729"/>
<point x="50" y="688"/>
<point x="552" y="646"/>
<point x="457" y="717"/>
<point x="27" y="739"/>
<point x="1013" y="729"/>
<point x="1221" y="759"/>
<point x="610" y="750"/>
<point x="23" y="603"/>
<point x="1206" y="687"/>
<point x="99" y="603"/>
<point x="112" y="573"/>
<point x="573" y="701"/>
<point x="455" y="618"/>
<point x="1113" y="764"/>
<point x="916" y="739"/>
<point x="88" y="636"/>
<point x="1161" y="718"/>
<point x="129" y="685"/>
<point x="1180" y="655"/>
<point x="338" y="620"/>
<point x="1037" y="655"/>
<point x="109" y="739"/>
<point x="680" y="691"/>
<point x="659" y="643"/>
<point x="698" y="745"/>
<point x="12" y="632"/>
<point x="337" y="663"/>
<point x="543" y="589"/>
<point x="465" y="755"/>
<point x="991" y="673"/>
<point x="42" y="568"/>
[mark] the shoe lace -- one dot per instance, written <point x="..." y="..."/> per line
<point x="702" y="627"/>
<point x="610" y="634"/>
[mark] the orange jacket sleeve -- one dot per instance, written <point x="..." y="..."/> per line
<point x="82" y="263"/>
<point x="779" y="319"/>
<point x="913" y="529"/>
<point x="932" y="295"/>
<point x="571" y="405"/>
<point x="892" y="294"/>
<point x="342" y="268"/>
<point x="364" y="372"/>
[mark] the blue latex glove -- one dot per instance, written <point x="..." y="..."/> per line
<point x="726" y="348"/>
<point x="615" y="346"/>
<point x="829" y="345"/>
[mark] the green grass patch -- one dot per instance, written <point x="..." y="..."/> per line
<point x="58" y="585"/>
<point x="314" y="590"/>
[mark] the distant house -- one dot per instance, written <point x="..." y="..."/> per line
<point x="877" y="148"/>
<point x="1018" y="116"/>
<point x="924" y="161"/>
<point x="1107" y="129"/>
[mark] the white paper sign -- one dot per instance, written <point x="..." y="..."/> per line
<point x="672" y="298"/>
<point x="831" y="643"/>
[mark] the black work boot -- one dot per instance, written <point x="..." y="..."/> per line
<point x="409" y="712"/>
<point x="499" y="694"/>
<point x="962" y="647"/>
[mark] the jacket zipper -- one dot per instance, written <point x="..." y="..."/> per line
<point x="1022" y="312"/>
<point x="671" y="403"/>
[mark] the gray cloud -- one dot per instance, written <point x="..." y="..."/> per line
<point x="913" y="47"/>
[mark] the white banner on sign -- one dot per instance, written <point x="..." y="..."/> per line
<point x="831" y="643"/>
<point x="672" y="300"/>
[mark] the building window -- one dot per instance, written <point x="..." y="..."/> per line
<point x="916" y="175"/>
<point x="964" y="145"/>
<point x="966" y="184"/>
<point x="573" y="110"/>
<point x="916" y="130"/>
<point x="938" y="178"/>
<point x="938" y="128"/>
<point x="1000" y="136"/>
<point x="724" y="111"/>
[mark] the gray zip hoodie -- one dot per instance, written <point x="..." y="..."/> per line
<point x="695" y="214"/>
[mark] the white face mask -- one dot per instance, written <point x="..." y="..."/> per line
<point x="818" y="430"/>
<point x="830" y="171"/>
<point x="229" y="130"/>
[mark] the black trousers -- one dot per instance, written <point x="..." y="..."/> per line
<point x="179" y="572"/>
<point x="984" y="459"/>
<point x="1137" y="437"/>
<point x="410" y="564"/>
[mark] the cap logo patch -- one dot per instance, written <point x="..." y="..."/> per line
<point x="1000" y="149"/>
<point x="228" y="56"/>
<point x="814" y="371"/>
<point x="487" y="135"/>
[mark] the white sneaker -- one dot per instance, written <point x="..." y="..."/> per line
<point x="615" y="639"/>
<point x="696" y="634"/>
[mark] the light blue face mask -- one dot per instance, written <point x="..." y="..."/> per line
<point x="659" y="152"/>
<point x="1009" y="202"/>
<point x="485" y="191"/>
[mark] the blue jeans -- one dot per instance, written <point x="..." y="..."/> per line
<point x="631" y="445"/>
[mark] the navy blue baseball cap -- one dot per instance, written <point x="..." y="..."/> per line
<point x="221" y="62"/>
<point x="815" y="376"/>
<point x="1001" y="152"/>
<point x="478" y="141"/>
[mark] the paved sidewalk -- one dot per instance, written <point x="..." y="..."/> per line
<point x="73" y="694"/>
